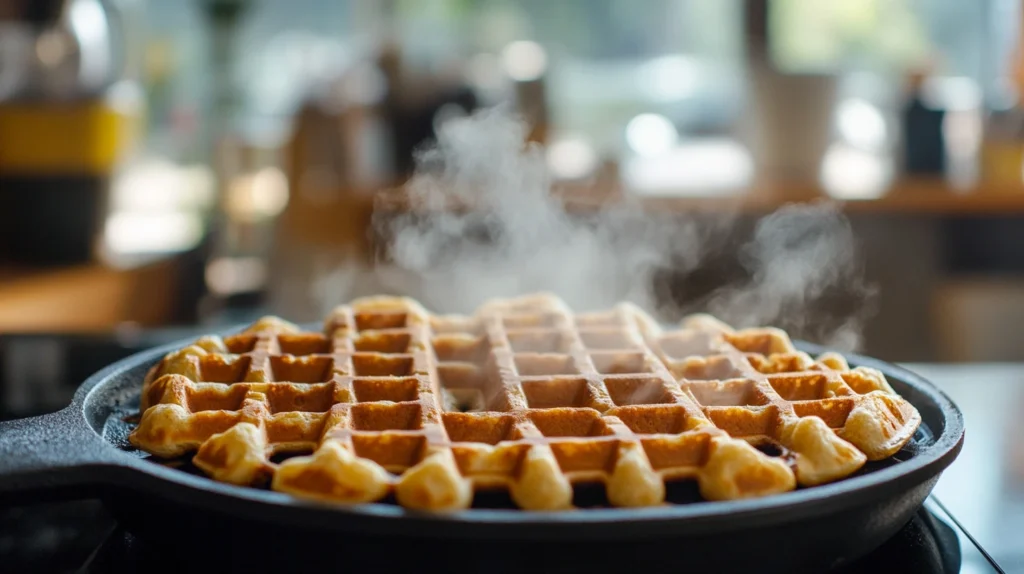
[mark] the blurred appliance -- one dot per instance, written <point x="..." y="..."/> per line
<point x="788" y="125"/>
<point x="67" y="115"/>
<point x="413" y="104"/>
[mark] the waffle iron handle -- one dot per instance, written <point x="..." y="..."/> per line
<point x="53" y="456"/>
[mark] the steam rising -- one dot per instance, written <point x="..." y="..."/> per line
<point x="522" y="240"/>
<point x="797" y="256"/>
<point x="518" y="238"/>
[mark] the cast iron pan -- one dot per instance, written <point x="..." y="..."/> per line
<point x="82" y="450"/>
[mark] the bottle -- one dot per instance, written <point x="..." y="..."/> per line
<point x="924" y="140"/>
<point x="1002" y="146"/>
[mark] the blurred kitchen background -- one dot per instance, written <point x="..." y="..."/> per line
<point x="172" y="163"/>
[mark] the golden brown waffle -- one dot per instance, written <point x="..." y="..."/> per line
<point x="524" y="396"/>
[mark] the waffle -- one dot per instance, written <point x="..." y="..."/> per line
<point x="523" y="395"/>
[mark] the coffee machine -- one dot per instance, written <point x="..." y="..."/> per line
<point x="69" y="111"/>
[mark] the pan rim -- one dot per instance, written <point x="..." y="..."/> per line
<point x="779" y="508"/>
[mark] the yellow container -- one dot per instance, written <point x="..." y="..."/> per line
<point x="1002" y="161"/>
<point x="79" y="138"/>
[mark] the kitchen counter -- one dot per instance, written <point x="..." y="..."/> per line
<point x="984" y="487"/>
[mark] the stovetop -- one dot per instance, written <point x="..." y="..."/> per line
<point x="39" y="373"/>
<point x="80" y="537"/>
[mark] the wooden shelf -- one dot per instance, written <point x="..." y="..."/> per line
<point x="87" y="298"/>
<point x="913" y="196"/>
<point x="345" y="216"/>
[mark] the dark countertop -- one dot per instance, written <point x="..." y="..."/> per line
<point x="984" y="487"/>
